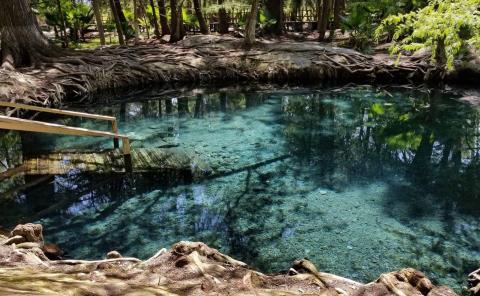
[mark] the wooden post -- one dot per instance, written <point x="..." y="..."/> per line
<point x="127" y="155"/>
<point x="115" y="131"/>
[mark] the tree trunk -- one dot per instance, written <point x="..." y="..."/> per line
<point x="156" y="30"/>
<point x="118" y="24"/>
<point x="162" y="11"/>
<point x="75" y="29"/>
<point x="337" y="12"/>
<point x="296" y="6"/>
<point x="440" y="53"/>
<point x="274" y="9"/>
<point x="135" y="21"/>
<point x="98" y="19"/>
<point x="223" y="21"/>
<point x="178" y="31"/>
<point x="55" y="30"/>
<point x="252" y="23"/>
<point x="122" y="18"/>
<point x="323" y="20"/>
<point x="63" y="24"/>
<point x="201" y="19"/>
<point x="21" y="41"/>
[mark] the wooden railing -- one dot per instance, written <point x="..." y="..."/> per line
<point x="19" y="124"/>
<point x="112" y="119"/>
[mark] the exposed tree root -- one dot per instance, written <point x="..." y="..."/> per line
<point x="200" y="58"/>
<point x="188" y="268"/>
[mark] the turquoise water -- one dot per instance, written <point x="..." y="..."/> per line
<point x="360" y="180"/>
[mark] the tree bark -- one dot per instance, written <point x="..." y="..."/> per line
<point x="135" y="21"/>
<point x="156" y="30"/>
<point x="323" y="20"/>
<point x="178" y="31"/>
<point x="337" y="13"/>
<point x="440" y="53"/>
<point x="162" y="11"/>
<point x="118" y="24"/>
<point x="63" y="24"/>
<point x="296" y="5"/>
<point x="21" y="40"/>
<point x="75" y="29"/>
<point x="252" y="23"/>
<point x="274" y="10"/>
<point x="223" y="20"/>
<point x="201" y="19"/>
<point x="122" y="19"/>
<point x="98" y="19"/>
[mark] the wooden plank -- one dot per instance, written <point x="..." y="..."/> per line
<point x="57" y="111"/>
<point x="143" y="160"/>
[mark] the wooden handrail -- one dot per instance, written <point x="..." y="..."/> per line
<point x="57" y="111"/>
<point x="19" y="124"/>
<point x="112" y="119"/>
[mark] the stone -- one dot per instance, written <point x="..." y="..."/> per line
<point x="53" y="252"/>
<point x="28" y="245"/>
<point x="474" y="283"/>
<point x="31" y="232"/>
<point x="441" y="291"/>
<point x="17" y="239"/>
<point x="114" y="255"/>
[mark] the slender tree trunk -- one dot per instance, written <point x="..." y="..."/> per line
<point x="63" y="24"/>
<point x="98" y="19"/>
<point x="201" y="19"/>
<point x="135" y="21"/>
<point x="145" y="18"/>
<point x="337" y="12"/>
<point x="178" y="31"/>
<point x="162" y="11"/>
<point x="21" y="40"/>
<point x="156" y="30"/>
<point x="296" y="5"/>
<point x="323" y="21"/>
<point x="440" y="53"/>
<point x="55" y="30"/>
<point x="223" y="20"/>
<point x="75" y="29"/>
<point x="274" y="10"/>
<point x="122" y="18"/>
<point x="118" y="24"/>
<point x="252" y="23"/>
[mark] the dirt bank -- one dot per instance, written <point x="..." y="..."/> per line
<point x="203" y="59"/>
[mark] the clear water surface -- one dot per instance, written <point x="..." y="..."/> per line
<point x="360" y="180"/>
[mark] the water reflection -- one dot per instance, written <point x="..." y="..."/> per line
<point x="359" y="180"/>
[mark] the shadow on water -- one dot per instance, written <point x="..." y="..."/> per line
<point x="361" y="180"/>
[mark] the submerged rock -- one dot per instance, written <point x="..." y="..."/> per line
<point x="114" y="255"/>
<point x="188" y="268"/>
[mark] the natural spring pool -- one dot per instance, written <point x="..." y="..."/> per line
<point x="360" y="180"/>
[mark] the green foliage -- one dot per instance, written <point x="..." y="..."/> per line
<point x="82" y="15"/>
<point x="445" y="26"/>
<point x="189" y="19"/>
<point x="363" y="17"/>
